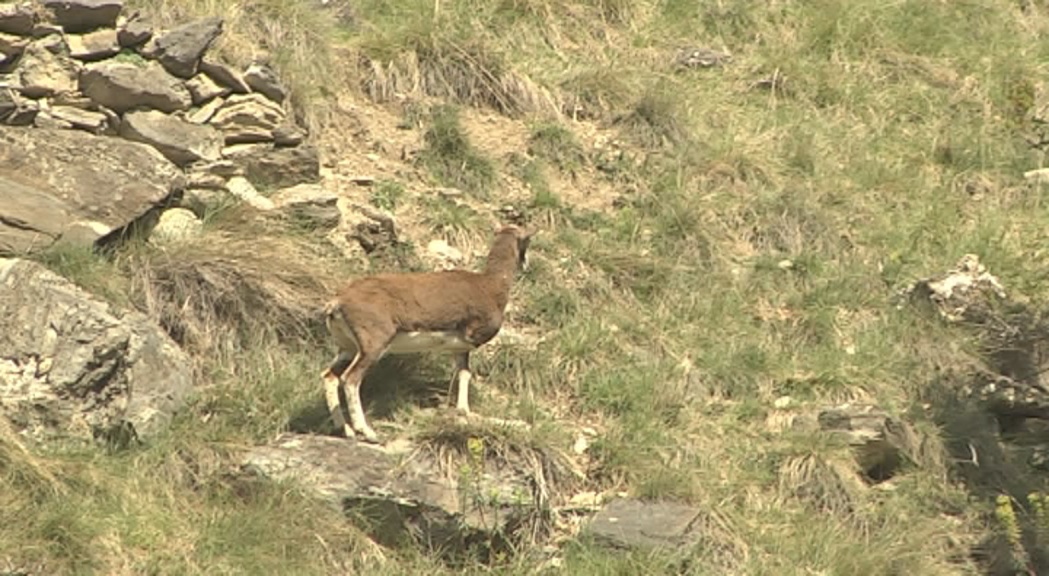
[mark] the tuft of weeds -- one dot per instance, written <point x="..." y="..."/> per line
<point x="451" y="158"/>
<point x="557" y="146"/>
<point x="387" y="194"/>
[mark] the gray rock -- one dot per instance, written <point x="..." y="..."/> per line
<point x="288" y="134"/>
<point x="310" y="204"/>
<point x="224" y="76"/>
<point x="632" y="524"/>
<point x="264" y="80"/>
<point x="97" y="45"/>
<point x="401" y="489"/>
<point x="247" y="118"/>
<point x="44" y="119"/>
<point x="206" y="112"/>
<point x="46" y="68"/>
<point x="272" y="167"/>
<point x="52" y="179"/>
<point x="203" y="89"/>
<point x="71" y="366"/>
<point x="93" y="122"/>
<point x="17" y="18"/>
<point x="181" y="49"/>
<point x="78" y="16"/>
<point x="122" y="86"/>
<point x="135" y="32"/>
<point x="178" y="140"/>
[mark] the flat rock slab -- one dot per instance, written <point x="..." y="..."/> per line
<point x="628" y="523"/>
<point x="71" y="366"/>
<point x="399" y="489"/>
<point x="53" y="182"/>
<point x="122" y="86"/>
<point x="179" y="141"/>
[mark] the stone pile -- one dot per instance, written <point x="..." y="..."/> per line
<point x="84" y="65"/>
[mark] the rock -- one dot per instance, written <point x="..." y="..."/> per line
<point x="179" y="50"/>
<point x="135" y="32"/>
<point x="44" y="119"/>
<point x="176" y="225"/>
<point x="243" y="189"/>
<point x="71" y="366"/>
<point x="78" y="16"/>
<point x="276" y="167"/>
<point x="962" y="294"/>
<point x="206" y="112"/>
<point x="178" y="140"/>
<point x="122" y="86"/>
<point x="221" y="168"/>
<point x="248" y="118"/>
<point x="201" y="201"/>
<point x="44" y="29"/>
<point x="46" y="69"/>
<point x="446" y="257"/>
<point x="878" y="440"/>
<point x="17" y="19"/>
<point x="263" y="79"/>
<point x="224" y="76"/>
<point x="93" y="122"/>
<point x="11" y="46"/>
<point x="288" y="134"/>
<point x="401" y="489"/>
<point x="310" y="204"/>
<point x="701" y="58"/>
<point x="51" y="179"/>
<point x="202" y="88"/>
<point x="97" y="45"/>
<point x="633" y="524"/>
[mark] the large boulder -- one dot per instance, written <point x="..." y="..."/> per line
<point x="179" y="141"/>
<point x="72" y="366"/>
<point x="54" y="183"/>
<point x="123" y="86"/>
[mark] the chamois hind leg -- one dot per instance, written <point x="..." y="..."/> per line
<point x="352" y="387"/>
<point x="462" y="377"/>
<point x="332" y="380"/>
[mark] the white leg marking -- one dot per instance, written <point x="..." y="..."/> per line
<point x="463" y="403"/>
<point x="331" y="394"/>
<point x="357" y="421"/>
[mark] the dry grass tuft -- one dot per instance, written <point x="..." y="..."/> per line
<point x="468" y="73"/>
<point x="227" y="290"/>
<point x="828" y="486"/>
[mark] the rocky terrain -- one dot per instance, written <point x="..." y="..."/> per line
<point x="716" y="367"/>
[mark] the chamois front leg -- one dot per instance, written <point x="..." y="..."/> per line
<point x="462" y="376"/>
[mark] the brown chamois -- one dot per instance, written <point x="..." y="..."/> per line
<point x="452" y="311"/>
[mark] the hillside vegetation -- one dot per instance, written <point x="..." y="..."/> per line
<point x="719" y="249"/>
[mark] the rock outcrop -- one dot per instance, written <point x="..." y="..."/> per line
<point x="70" y="185"/>
<point x="84" y="66"/>
<point x="71" y="366"/>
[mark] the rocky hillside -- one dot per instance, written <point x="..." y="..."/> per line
<point x="784" y="313"/>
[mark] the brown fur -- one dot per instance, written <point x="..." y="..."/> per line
<point x="367" y="315"/>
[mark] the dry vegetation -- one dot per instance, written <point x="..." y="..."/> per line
<point x="755" y="220"/>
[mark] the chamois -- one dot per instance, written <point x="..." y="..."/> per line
<point x="453" y="311"/>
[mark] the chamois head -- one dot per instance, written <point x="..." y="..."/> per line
<point x="522" y="238"/>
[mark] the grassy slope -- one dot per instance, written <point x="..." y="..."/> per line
<point x="892" y="149"/>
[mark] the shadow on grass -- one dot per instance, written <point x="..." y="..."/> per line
<point x="395" y="382"/>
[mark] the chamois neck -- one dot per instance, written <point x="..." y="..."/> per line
<point x="502" y="259"/>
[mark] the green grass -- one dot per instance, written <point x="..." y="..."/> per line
<point x="754" y="256"/>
